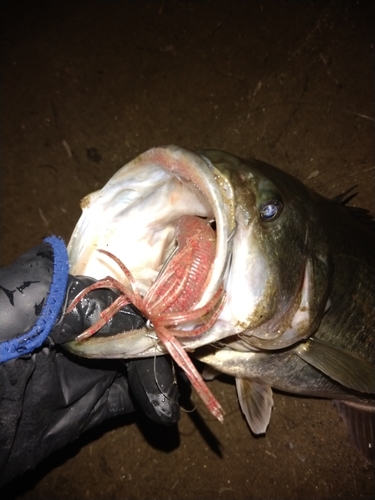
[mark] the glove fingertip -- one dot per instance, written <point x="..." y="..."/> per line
<point x="153" y="385"/>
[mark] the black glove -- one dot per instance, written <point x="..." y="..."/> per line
<point x="47" y="396"/>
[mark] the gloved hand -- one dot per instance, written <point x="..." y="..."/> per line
<point x="47" y="396"/>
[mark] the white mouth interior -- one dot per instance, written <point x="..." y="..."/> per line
<point x="134" y="216"/>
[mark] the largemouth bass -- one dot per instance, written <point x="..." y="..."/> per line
<point x="313" y="330"/>
<point x="298" y="272"/>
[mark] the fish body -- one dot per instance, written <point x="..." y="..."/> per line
<point x="330" y="350"/>
<point x="298" y="271"/>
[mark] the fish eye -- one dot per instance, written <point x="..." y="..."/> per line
<point x="270" y="210"/>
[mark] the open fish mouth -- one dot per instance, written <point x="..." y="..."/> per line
<point x="262" y="247"/>
<point x="287" y="300"/>
<point x="134" y="217"/>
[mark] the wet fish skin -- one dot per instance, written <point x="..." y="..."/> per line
<point x="340" y="248"/>
<point x="337" y="356"/>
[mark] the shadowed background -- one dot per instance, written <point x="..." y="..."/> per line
<point x="85" y="87"/>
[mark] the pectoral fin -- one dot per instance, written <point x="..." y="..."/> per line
<point x="339" y="364"/>
<point x="360" y="420"/>
<point x="256" y="402"/>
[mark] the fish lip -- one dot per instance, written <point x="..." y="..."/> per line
<point x="198" y="172"/>
<point x="131" y="344"/>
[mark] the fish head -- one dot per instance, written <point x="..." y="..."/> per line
<point x="264" y="257"/>
<point x="278" y="283"/>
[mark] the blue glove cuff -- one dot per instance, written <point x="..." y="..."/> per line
<point x="35" y="337"/>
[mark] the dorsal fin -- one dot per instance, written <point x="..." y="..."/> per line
<point x="360" y="214"/>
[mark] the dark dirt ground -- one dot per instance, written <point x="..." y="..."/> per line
<point x="290" y="83"/>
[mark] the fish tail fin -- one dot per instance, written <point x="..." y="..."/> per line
<point x="360" y="420"/>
